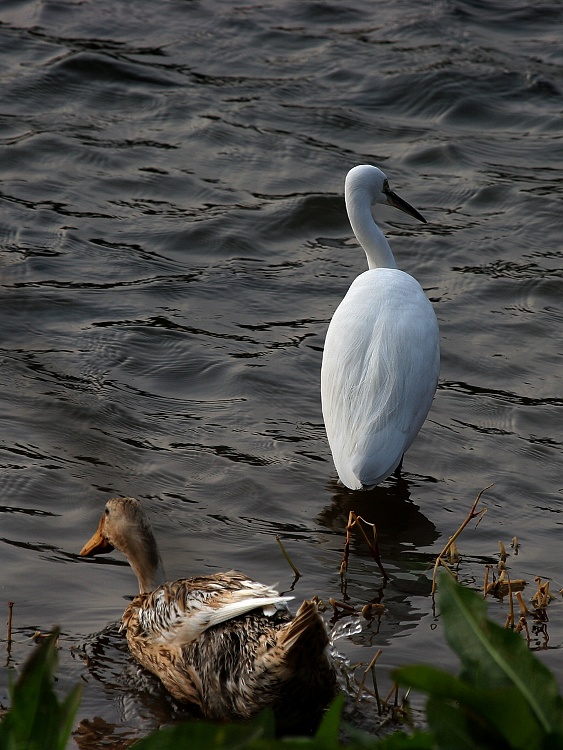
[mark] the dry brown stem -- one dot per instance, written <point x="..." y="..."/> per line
<point x="9" y="634"/>
<point x="287" y="557"/>
<point x="470" y="516"/>
<point x="355" y="520"/>
<point x="370" y="668"/>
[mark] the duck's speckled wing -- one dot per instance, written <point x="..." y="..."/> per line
<point x="177" y="613"/>
<point x="230" y="646"/>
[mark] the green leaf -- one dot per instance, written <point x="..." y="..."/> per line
<point x="449" y="726"/>
<point x="553" y="742"/>
<point x="200" y="735"/>
<point x="434" y="682"/>
<point x="68" y="710"/>
<point x="32" y="700"/>
<point x="36" y="720"/>
<point x="402" y="741"/>
<point x="500" y="712"/>
<point x="328" y="733"/>
<point x="494" y="657"/>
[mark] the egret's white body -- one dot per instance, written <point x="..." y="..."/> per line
<point x="382" y="354"/>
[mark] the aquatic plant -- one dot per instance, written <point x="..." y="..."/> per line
<point x="37" y="719"/>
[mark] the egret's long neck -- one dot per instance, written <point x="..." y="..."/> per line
<point x="369" y="235"/>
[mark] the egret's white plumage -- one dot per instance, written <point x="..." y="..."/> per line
<point x="382" y="354"/>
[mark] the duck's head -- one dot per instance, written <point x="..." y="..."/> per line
<point x="124" y="526"/>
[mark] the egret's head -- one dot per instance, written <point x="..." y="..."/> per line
<point x="370" y="181"/>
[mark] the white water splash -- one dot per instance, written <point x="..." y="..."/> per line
<point x="345" y="628"/>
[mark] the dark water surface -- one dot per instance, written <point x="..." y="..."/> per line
<point x="173" y="243"/>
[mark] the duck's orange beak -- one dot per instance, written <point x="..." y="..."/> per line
<point x="98" y="544"/>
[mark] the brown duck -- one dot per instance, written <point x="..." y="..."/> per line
<point x="222" y="642"/>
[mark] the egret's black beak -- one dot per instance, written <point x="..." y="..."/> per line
<point x="394" y="200"/>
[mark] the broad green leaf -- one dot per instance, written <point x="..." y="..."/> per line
<point x="449" y="726"/>
<point x="36" y="720"/>
<point x="553" y="742"/>
<point x="68" y="710"/>
<point x="358" y="739"/>
<point x="502" y="711"/>
<point x="494" y="657"/>
<point x="199" y="735"/>
<point x="434" y="682"/>
<point x="328" y="733"/>
<point x="401" y="741"/>
<point x="33" y="717"/>
<point x="7" y="740"/>
<point x="26" y="695"/>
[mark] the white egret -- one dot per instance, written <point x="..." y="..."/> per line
<point x="382" y="352"/>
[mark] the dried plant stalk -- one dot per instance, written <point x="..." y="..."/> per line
<point x="470" y="516"/>
<point x="355" y="520"/>
<point x="287" y="557"/>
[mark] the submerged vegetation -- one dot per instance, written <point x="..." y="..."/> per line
<point x="503" y="698"/>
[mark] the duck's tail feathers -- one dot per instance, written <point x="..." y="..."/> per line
<point x="306" y="633"/>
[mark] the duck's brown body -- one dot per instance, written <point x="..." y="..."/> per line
<point x="223" y="642"/>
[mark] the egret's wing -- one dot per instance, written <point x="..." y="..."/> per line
<point x="379" y="374"/>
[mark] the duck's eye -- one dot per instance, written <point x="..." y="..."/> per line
<point x="106" y="511"/>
